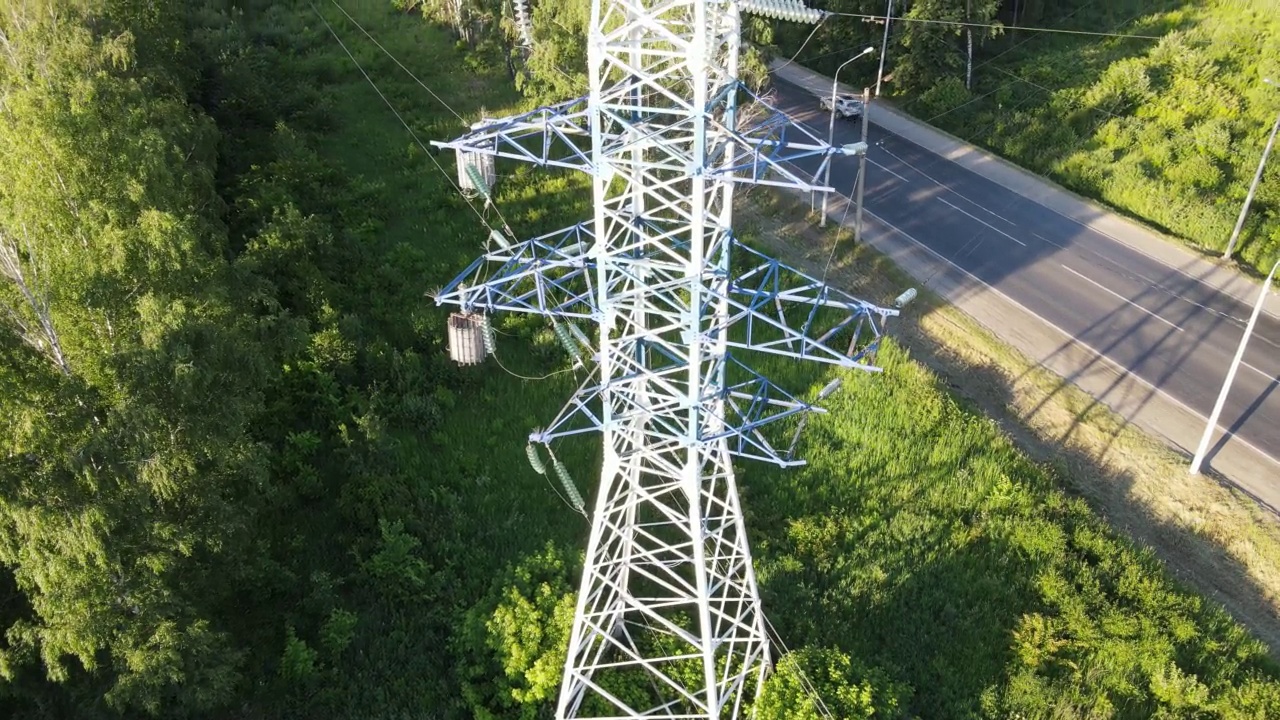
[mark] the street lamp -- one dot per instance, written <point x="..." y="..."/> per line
<point x="831" y="129"/>
<point x="1198" y="460"/>
<point x="1244" y="211"/>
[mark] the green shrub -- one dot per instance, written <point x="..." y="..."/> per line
<point x="823" y="683"/>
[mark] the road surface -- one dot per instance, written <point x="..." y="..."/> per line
<point x="1158" y="322"/>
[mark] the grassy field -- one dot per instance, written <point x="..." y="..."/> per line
<point x="1169" y="131"/>
<point x="919" y="540"/>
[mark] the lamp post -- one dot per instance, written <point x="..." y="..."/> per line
<point x="862" y="169"/>
<point x="1198" y="460"/>
<point x="831" y="129"/>
<point x="1244" y="211"/>
<point x="884" y="46"/>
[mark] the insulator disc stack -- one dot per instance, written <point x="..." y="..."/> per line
<point x="490" y="335"/>
<point x="566" y="339"/>
<point x="782" y="10"/>
<point x="535" y="460"/>
<point x="520" y="9"/>
<point x="575" y="497"/>
<point x="581" y="337"/>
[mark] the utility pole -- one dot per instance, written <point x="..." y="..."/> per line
<point x="831" y="130"/>
<point x="884" y="46"/>
<point x="1253" y="187"/>
<point x="1198" y="460"/>
<point x="669" y="621"/>
<point x="862" y="166"/>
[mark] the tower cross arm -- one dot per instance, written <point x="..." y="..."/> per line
<point x="774" y="308"/>
<point x="769" y="148"/>
<point x="547" y="275"/>
<point x="554" y="136"/>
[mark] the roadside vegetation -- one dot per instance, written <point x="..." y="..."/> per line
<point x="1167" y="130"/>
<point x="1215" y="541"/>
<point x="239" y="477"/>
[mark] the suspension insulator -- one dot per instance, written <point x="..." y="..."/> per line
<point x="579" y="335"/>
<point x="477" y="181"/>
<point x="520" y="8"/>
<point x="572" y="249"/>
<point x="575" y="497"/>
<point x="499" y="239"/>
<point x="782" y="10"/>
<point x="535" y="460"/>
<point x="490" y="335"/>
<point x="566" y="340"/>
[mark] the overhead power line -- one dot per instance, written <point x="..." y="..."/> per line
<point x="396" y="61"/>
<point x="1019" y="28"/>
<point x="806" y="41"/>
<point x="430" y="155"/>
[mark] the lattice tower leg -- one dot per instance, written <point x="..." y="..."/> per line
<point x="668" y="622"/>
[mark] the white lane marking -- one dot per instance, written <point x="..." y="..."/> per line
<point x="1049" y="184"/>
<point x="1123" y="371"/>
<point x="1064" y="247"/>
<point x="882" y="167"/>
<point x="1123" y="271"/>
<point x="943" y="185"/>
<point x="1267" y="375"/>
<point x="1117" y="295"/>
<point x="995" y="215"/>
<point x="984" y="222"/>
<point x="1238" y="322"/>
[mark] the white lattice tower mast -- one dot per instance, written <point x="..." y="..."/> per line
<point x="668" y="621"/>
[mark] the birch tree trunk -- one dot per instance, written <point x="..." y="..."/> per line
<point x="31" y="317"/>
<point x="968" y="33"/>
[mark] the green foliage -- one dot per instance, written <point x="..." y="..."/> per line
<point x="338" y="631"/>
<point x="556" y="66"/>
<point x="298" y="663"/>
<point x="817" y="683"/>
<point x="137" y="468"/>
<point x="932" y="51"/>
<point x="395" y="568"/>
<point x="946" y="95"/>
<point x="512" y="648"/>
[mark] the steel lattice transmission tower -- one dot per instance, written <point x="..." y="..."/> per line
<point x="668" y="622"/>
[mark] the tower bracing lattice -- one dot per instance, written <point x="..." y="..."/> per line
<point x="668" y="621"/>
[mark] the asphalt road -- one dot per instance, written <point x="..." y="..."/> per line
<point x="1157" y="321"/>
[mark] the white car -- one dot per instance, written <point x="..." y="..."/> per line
<point x="847" y="106"/>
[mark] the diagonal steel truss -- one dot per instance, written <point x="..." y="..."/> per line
<point x="668" y="621"/>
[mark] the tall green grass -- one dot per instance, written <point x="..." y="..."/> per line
<point x="921" y="542"/>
